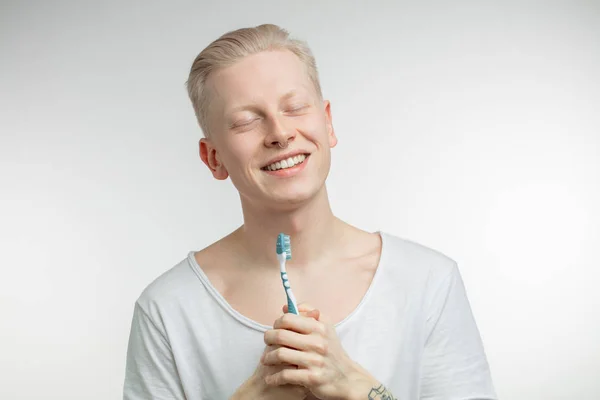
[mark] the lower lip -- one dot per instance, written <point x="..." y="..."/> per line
<point x="287" y="172"/>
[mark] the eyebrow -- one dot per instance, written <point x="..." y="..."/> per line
<point x="286" y="96"/>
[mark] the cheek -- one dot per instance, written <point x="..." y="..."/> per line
<point x="240" y="155"/>
<point x="314" y="130"/>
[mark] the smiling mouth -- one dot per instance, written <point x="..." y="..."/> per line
<point x="287" y="163"/>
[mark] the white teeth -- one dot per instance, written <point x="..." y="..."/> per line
<point x="287" y="163"/>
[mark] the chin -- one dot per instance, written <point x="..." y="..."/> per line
<point x="284" y="196"/>
<point x="291" y="197"/>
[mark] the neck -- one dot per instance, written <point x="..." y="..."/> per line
<point x="314" y="232"/>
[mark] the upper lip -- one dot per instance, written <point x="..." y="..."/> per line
<point x="286" y="156"/>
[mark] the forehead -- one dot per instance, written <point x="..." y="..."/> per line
<point x="259" y="77"/>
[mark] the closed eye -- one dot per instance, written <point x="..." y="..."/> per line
<point x="297" y="109"/>
<point x="242" y="124"/>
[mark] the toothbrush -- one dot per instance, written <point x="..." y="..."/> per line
<point x="284" y="252"/>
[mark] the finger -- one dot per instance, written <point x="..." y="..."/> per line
<point x="267" y="349"/>
<point x="301" y="377"/>
<point x="302" y="307"/>
<point x="298" y="323"/>
<point x="276" y="338"/>
<point x="287" y="356"/>
<point x="314" y="314"/>
<point x="306" y="306"/>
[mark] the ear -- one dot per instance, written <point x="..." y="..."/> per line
<point x="210" y="157"/>
<point x="330" y="131"/>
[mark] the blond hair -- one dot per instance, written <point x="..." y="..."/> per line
<point x="232" y="47"/>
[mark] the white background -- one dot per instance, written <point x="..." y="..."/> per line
<point x="470" y="127"/>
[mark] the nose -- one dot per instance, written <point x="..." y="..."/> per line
<point x="279" y="135"/>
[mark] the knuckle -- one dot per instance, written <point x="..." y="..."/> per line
<point x="284" y="375"/>
<point x="318" y="362"/>
<point x="270" y="380"/>
<point x="267" y="337"/>
<point x="280" y="336"/>
<point x="286" y="319"/>
<point x="321" y="329"/>
<point x="277" y="323"/>
<point x="280" y="354"/>
<point x="277" y="353"/>
<point x="322" y="348"/>
<point x="314" y="377"/>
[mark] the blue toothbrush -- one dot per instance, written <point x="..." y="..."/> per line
<point x="284" y="252"/>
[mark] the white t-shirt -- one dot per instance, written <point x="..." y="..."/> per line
<point x="413" y="331"/>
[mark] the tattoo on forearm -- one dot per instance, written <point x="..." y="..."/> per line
<point x="381" y="393"/>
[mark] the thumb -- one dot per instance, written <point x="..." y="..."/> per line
<point x="305" y="310"/>
<point x="302" y="307"/>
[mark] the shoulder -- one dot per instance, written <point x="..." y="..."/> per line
<point x="170" y="289"/>
<point x="416" y="262"/>
<point x="416" y="252"/>
<point x="194" y="271"/>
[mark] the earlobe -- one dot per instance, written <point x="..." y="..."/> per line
<point x="210" y="157"/>
<point x="219" y="172"/>
<point x="332" y="140"/>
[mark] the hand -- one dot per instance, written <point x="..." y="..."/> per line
<point x="256" y="386"/>
<point x="322" y="364"/>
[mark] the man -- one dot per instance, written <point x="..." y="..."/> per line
<point x="388" y="318"/>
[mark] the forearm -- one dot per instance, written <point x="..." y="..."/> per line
<point x="250" y="390"/>
<point x="371" y="391"/>
<point x="365" y="387"/>
<point x="380" y="392"/>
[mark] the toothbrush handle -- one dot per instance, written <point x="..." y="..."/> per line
<point x="292" y="308"/>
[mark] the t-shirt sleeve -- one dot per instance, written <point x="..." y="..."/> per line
<point x="150" y="369"/>
<point x="454" y="364"/>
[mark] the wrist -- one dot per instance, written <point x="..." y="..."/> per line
<point x="360" y="384"/>
<point x="362" y="390"/>
<point x="251" y="389"/>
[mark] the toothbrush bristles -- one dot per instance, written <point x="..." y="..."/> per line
<point x="288" y="247"/>
<point x="284" y="244"/>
